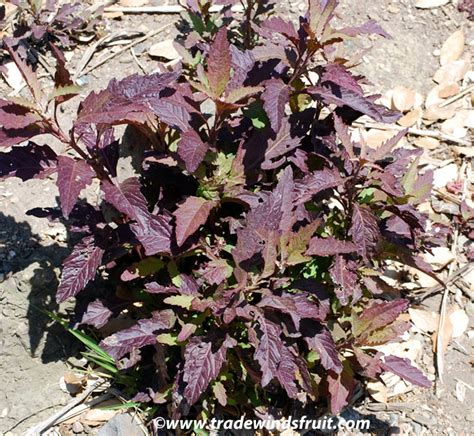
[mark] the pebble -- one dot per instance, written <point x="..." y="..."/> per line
<point x="77" y="427"/>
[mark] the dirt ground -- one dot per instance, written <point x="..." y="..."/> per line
<point x="35" y="353"/>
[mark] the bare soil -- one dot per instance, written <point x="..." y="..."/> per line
<point x="35" y="352"/>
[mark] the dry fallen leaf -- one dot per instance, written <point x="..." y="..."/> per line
<point x="411" y="118"/>
<point x="427" y="142"/>
<point x="453" y="71"/>
<point x="164" y="49"/>
<point x="453" y="47"/>
<point x="375" y="138"/>
<point x="457" y="126"/>
<point x="440" y="256"/>
<point x="403" y="98"/>
<point x="427" y="4"/>
<point x="433" y="110"/>
<point x="424" y="320"/>
<point x="448" y="90"/>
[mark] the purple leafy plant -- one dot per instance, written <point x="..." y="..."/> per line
<point x="246" y="250"/>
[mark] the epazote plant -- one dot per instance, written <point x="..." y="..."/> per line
<point x="248" y="248"/>
<point x="38" y="23"/>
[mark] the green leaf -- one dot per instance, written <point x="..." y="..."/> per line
<point x="167" y="339"/>
<point x="183" y="301"/>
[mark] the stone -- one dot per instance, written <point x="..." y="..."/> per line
<point x="121" y="425"/>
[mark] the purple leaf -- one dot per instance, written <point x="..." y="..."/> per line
<point x="275" y="358"/>
<point x="340" y="387"/>
<point x="73" y="177"/>
<point x="339" y="75"/>
<point x="192" y="149"/>
<point x="202" y="364"/>
<point x="315" y="183"/>
<point x="371" y="27"/>
<point x="377" y="315"/>
<point x="141" y="334"/>
<point x="154" y="232"/>
<point x="298" y="306"/>
<point x="343" y="274"/>
<point x="15" y="116"/>
<point x="219" y="63"/>
<point x="279" y="25"/>
<point x="321" y="341"/>
<point x="365" y="231"/>
<point x="275" y="96"/>
<point x="126" y="100"/>
<point x="9" y="137"/>
<point x="340" y="96"/>
<point x="329" y="246"/>
<point x="191" y="215"/>
<point x="405" y="370"/>
<point x="79" y="268"/>
<point x="279" y="146"/>
<point x="25" y="70"/>
<point x="28" y="162"/>
<point x="96" y="314"/>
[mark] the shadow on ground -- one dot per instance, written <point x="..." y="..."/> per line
<point x="30" y="268"/>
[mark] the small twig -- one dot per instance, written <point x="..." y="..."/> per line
<point x="417" y="132"/>
<point x="125" y="48"/>
<point x="104" y="41"/>
<point x="464" y="383"/>
<point x="452" y="279"/>
<point x="163" y="9"/>
<point x="457" y="96"/>
<point x="135" y="58"/>
<point x="41" y="427"/>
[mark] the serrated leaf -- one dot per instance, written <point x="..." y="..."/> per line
<point x="319" y="339"/>
<point x="275" y="97"/>
<point x="365" y="231"/>
<point x="378" y="314"/>
<point x="405" y="370"/>
<point x="298" y="306"/>
<point x="191" y="215"/>
<point x="26" y="71"/>
<point x="79" y="268"/>
<point x="340" y="387"/>
<point x="219" y="63"/>
<point x="184" y="301"/>
<point x="141" y="334"/>
<point x="96" y="314"/>
<point x="153" y="231"/>
<point x="274" y="357"/>
<point x="329" y="246"/>
<point x="202" y="364"/>
<point x="192" y="149"/>
<point x="73" y="176"/>
<point x="345" y="278"/>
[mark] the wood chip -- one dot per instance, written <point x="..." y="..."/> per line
<point x="453" y="47"/>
